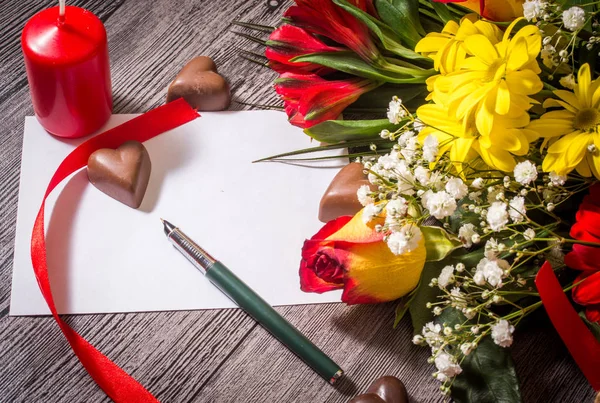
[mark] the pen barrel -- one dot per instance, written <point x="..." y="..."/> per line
<point x="264" y="314"/>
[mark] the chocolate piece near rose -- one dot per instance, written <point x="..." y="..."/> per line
<point x="123" y="174"/>
<point x="390" y="389"/>
<point x="340" y="197"/>
<point x="367" y="398"/>
<point x="201" y="86"/>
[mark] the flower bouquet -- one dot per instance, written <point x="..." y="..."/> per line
<point x="482" y="203"/>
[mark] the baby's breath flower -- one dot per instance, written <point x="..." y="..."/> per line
<point x="466" y="233"/>
<point x="363" y="195"/>
<point x="556" y="179"/>
<point x="396" y="111"/>
<point x="370" y="211"/>
<point x="568" y="81"/>
<point x="440" y="204"/>
<point x="517" y="210"/>
<point x="397" y="207"/>
<point x="497" y="216"/>
<point x="533" y="9"/>
<point x="502" y="333"/>
<point x="529" y="234"/>
<point x="446" y="365"/>
<point x="405" y="240"/>
<point x="525" y="172"/>
<point x="430" y="148"/>
<point x="446" y="276"/>
<point x="478" y="183"/>
<point x="456" y="188"/>
<point x="574" y="18"/>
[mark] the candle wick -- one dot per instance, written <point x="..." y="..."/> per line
<point x="61" y="9"/>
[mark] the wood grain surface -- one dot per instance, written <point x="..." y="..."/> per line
<point x="216" y="355"/>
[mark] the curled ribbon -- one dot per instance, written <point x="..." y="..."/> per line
<point x="580" y="341"/>
<point x="116" y="383"/>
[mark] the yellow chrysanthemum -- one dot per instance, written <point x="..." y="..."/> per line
<point x="496" y="80"/>
<point x="573" y="130"/>
<point x="464" y="142"/>
<point x="447" y="47"/>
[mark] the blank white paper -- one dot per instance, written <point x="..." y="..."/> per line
<point x="106" y="257"/>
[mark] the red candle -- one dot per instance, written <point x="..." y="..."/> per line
<point x="66" y="56"/>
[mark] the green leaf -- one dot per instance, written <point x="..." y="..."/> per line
<point x="402" y="307"/>
<point x="438" y="243"/>
<point x="488" y="373"/>
<point x="333" y="131"/>
<point x="593" y="326"/>
<point x="412" y="95"/>
<point x="402" y="17"/>
<point x="442" y="10"/>
<point x="350" y="63"/>
<point x="390" y="40"/>
<point x="419" y="313"/>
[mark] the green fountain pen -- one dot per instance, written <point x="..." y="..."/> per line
<point x="253" y="304"/>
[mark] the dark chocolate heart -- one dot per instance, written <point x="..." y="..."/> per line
<point x="201" y="86"/>
<point x="390" y="389"/>
<point x="123" y="174"/>
<point x="340" y="197"/>
<point x="367" y="398"/>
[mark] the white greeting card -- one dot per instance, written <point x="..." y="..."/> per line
<point x="106" y="257"/>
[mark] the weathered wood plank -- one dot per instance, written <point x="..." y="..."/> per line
<point x="221" y="355"/>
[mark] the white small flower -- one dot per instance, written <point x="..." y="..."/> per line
<point x="446" y="364"/>
<point x="457" y="188"/>
<point x="437" y="311"/>
<point x="492" y="271"/>
<point x="568" y="81"/>
<point x="516" y="209"/>
<point x="404" y="241"/>
<point x="409" y="150"/>
<point x="405" y="137"/>
<point x="422" y="175"/>
<point x="556" y="179"/>
<point x="439" y="204"/>
<point x="363" y="195"/>
<point x="446" y="276"/>
<point x="574" y="18"/>
<point x="396" y="111"/>
<point x="502" y="333"/>
<point x="397" y="207"/>
<point x="475" y="196"/>
<point x="525" y="172"/>
<point x="477" y="183"/>
<point x="430" y="148"/>
<point x="385" y="134"/>
<point x="478" y="278"/>
<point x="533" y="9"/>
<point x="417" y="339"/>
<point x="465" y="234"/>
<point x="497" y="217"/>
<point x="529" y="234"/>
<point x="370" y="211"/>
<point x="466" y="348"/>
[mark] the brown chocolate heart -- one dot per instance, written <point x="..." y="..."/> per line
<point x="340" y="197"/>
<point x="367" y="398"/>
<point x="390" y="389"/>
<point x="123" y="174"/>
<point x="201" y="86"/>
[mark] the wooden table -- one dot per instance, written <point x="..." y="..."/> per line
<point x="215" y="355"/>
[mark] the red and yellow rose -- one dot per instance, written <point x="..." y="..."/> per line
<point x="350" y="255"/>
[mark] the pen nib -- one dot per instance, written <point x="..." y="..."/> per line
<point x="167" y="226"/>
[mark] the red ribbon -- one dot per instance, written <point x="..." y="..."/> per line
<point x="580" y="341"/>
<point x="115" y="382"/>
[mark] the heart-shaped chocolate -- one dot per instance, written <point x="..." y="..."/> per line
<point x="387" y="389"/>
<point x="340" y="197"/>
<point x="201" y="86"/>
<point x="123" y="174"/>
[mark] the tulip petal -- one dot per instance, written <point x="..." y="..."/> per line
<point x="588" y="291"/>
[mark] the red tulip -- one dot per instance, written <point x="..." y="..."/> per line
<point x="287" y="42"/>
<point x="350" y="255"/>
<point x="587" y="258"/>
<point x="310" y="99"/>
<point x="323" y="17"/>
